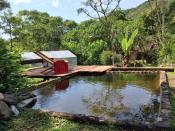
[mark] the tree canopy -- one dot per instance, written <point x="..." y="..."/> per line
<point x="102" y="33"/>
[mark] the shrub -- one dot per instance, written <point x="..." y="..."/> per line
<point x="153" y="57"/>
<point x="94" y="51"/>
<point x="10" y="80"/>
<point x="106" y="58"/>
<point x="139" y="63"/>
<point x="118" y="58"/>
<point x="136" y="63"/>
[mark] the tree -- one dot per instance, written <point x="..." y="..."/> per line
<point x="171" y="17"/>
<point x="126" y="44"/>
<point x="69" y="25"/>
<point x="159" y="9"/>
<point x="4" y="4"/>
<point x="102" y="10"/>
<point x="38" y="31"/>
<point x="10" y="79"/>
<point x="10" y="25"/>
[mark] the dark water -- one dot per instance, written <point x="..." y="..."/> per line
<point x="113" y="96"/>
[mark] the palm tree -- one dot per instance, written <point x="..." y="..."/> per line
<point x="126" y="43"/>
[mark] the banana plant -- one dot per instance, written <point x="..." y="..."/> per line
<point x="126" y="43"/>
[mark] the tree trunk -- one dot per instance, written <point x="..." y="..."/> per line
<point x="126" y="61"/>
<point x="113" y="52"/>
<point x="11" y="38"/>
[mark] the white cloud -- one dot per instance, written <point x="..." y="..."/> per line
<point x="22" y="1"/>
<point x="55" y="3"/>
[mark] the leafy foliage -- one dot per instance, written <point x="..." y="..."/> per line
<point x="127" y="42"/>
<point x="10" y="80"/>
<point x="106" y="58"/>
<point x="167" y="52"/>
<point x="112" y="31"/>
<point x="4" y="4"/>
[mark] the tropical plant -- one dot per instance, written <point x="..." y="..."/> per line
<point x="126" y="43"/>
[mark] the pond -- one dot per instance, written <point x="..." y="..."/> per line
<point x="115" y="96"/>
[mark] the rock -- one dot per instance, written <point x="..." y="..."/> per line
<point x="25" y="96"/>
<point x="27" y="103"/>
<point x="5" y="112"/>
<point x="1" y="96"/>
<point x="14" y="110"/>
<point x="8" y="98"/>
<point x="159" y="119"/>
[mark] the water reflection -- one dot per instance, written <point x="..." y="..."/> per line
<point x="114" y="96"/>
<point x="63" y="85"/>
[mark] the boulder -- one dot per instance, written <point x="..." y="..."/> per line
<point x="1" y="96"/>
<point x="10" y="99"/>
<point x="5" y="112"/>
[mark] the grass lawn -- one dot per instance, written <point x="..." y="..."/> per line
<point x="33" y="120"/>
<point x="171" y="78"/>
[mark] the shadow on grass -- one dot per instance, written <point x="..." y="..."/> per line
<point x="33" y="120"/>
<point x="30" y="120"/>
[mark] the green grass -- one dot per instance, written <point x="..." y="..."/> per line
<point x="33" y="81"/>
<point x="33" y="120"/>
<point x="171" y="79"/>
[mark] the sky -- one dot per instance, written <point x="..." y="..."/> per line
<point x="67" y="9"/>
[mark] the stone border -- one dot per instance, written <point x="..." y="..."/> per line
<point x="163" y="121"/>
<point x="168" y="69"/>
<point x="135" y="72"/>
<point x="101" y="120"/>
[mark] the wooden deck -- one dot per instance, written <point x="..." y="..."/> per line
<point x="36" y="73"/>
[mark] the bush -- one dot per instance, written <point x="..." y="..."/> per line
<point x="136" y="63"/>
<point x="106" y="58"/>
<point x="10" y="80"/>
<point x="139" y="63"/>
<point x="118" y="58"/>
<point x="94" y="51"/>
<point x="153" y="57"/>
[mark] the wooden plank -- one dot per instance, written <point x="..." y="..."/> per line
<point x="44" y="57"/>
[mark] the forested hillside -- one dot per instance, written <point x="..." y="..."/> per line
<point x="146" y="8"/>
<point x="144" y="34"/>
